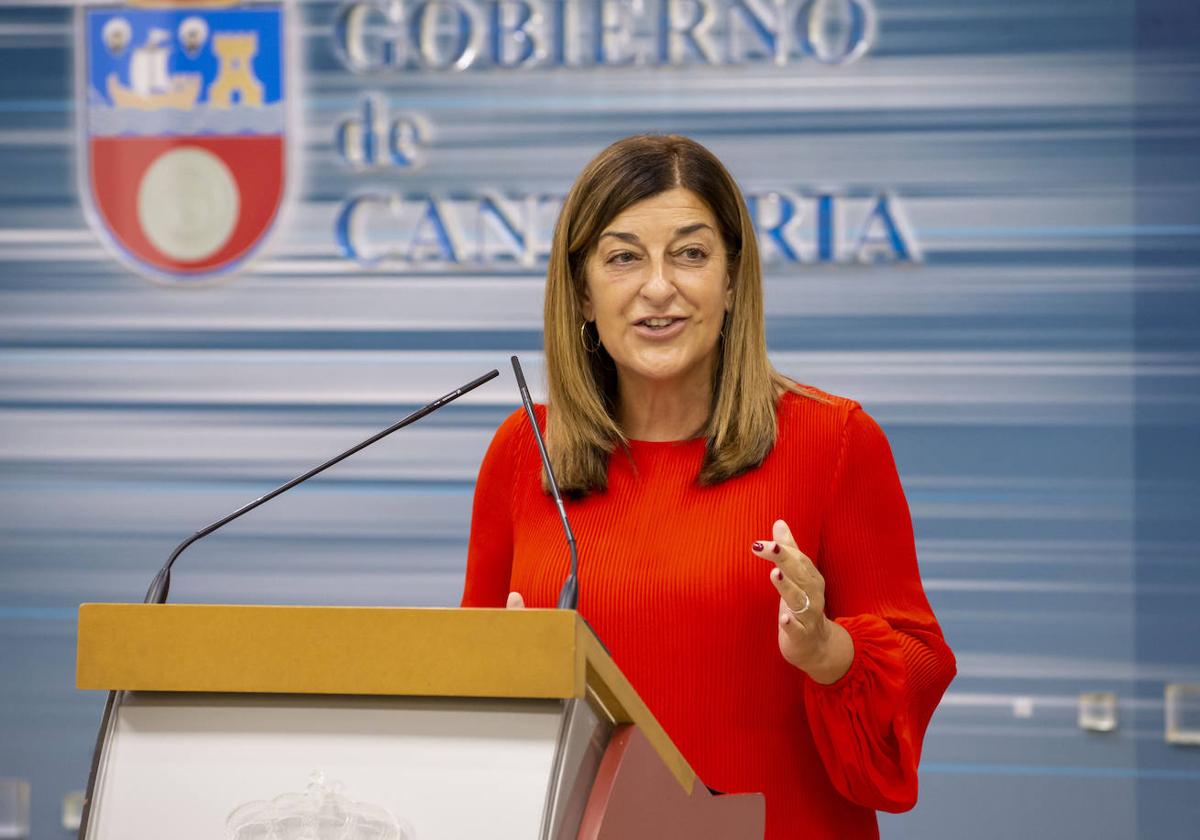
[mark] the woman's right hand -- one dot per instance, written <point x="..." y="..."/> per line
<point x="515" y="601"/>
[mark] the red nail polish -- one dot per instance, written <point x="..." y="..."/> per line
<point x="776" y="574"/>
<point x="775" y="550"/>
<point x="757" y="546"/>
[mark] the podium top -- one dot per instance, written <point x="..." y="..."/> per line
<point x="528" y="654"/>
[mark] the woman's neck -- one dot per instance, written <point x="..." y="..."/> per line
<point x="657" y="410"/>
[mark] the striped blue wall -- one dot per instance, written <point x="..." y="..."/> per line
<point x="1036" y="373"/>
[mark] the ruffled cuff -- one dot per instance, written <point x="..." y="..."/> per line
<point x="859" y="721"/>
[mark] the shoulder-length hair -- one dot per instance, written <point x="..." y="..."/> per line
<point x="581" y="427"/>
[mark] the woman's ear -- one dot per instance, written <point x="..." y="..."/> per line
<point x="585" y="303"/>
<point x="728" y="293"/>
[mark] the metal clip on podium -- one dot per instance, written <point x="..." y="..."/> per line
<point x="427" y="724"/>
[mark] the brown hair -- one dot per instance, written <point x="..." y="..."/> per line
<point x="582" y="430"/>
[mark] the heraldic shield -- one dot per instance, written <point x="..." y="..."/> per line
<point x="184" y="130"/>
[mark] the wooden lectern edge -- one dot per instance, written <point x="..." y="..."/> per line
<point x="414" y="651"/>
<point x="623" y="705"/>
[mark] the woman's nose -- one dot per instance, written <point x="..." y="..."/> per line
<point x="660" y="283"/>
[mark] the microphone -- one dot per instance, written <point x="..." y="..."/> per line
<point x="568" y="597"/>
<point x="157" y="593"/>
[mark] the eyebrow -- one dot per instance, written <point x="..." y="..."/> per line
<point x="632" y="238"/>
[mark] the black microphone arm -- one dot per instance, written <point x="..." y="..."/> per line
<point x="568" y="597"/>
<point x="157" y="594"/>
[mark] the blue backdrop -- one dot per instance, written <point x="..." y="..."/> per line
<point x="979" y="219"/>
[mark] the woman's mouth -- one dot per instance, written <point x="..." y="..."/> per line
<point x="659" y="328"/>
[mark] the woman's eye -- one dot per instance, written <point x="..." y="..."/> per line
<point x="622" y="258"/>
<point x="693" y="254"/>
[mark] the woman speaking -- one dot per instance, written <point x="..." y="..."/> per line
<point x="746" y="549"/>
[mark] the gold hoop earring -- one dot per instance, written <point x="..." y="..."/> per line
<point x="590" y="348"/>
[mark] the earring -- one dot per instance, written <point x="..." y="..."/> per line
<point x="583" y="338"/>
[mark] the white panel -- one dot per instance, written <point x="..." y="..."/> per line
<point x="178" y="765"/>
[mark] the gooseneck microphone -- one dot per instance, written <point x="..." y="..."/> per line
<point x="157" y="594"/>
<point x="568" y="597"/>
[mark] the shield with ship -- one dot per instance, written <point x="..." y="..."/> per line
<point x="183" y="124"/>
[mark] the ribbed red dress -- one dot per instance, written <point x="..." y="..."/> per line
<point x="668" y="582"/>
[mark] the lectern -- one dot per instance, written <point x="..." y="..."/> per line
<point x="408" y="724"/>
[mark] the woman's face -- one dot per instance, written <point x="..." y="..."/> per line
<point x="658" y="287"/>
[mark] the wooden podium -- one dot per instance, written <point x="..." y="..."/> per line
<point x="399" y="724"/>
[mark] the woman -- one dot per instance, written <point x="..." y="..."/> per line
<point x="746" y="550"/>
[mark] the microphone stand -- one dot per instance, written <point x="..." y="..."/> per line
<point x="568" y="596"/>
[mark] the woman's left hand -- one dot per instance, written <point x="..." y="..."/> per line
<point x="807" y="638"/>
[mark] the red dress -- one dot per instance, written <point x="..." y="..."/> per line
<point x="667" y="580"/>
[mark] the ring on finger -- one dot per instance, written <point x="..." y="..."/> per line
<point x="804" y="609"/>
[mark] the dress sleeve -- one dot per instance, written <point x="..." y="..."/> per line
<point x="869" y="725"/>
<point x="490" y="548"/>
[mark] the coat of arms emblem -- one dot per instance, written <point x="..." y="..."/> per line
<point x="183" y="118"/>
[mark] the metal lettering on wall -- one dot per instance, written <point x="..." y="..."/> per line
<point x="394" y="35"/>
<point x="486" y="228"/>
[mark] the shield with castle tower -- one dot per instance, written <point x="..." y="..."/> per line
<point x="183" y="127"/>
